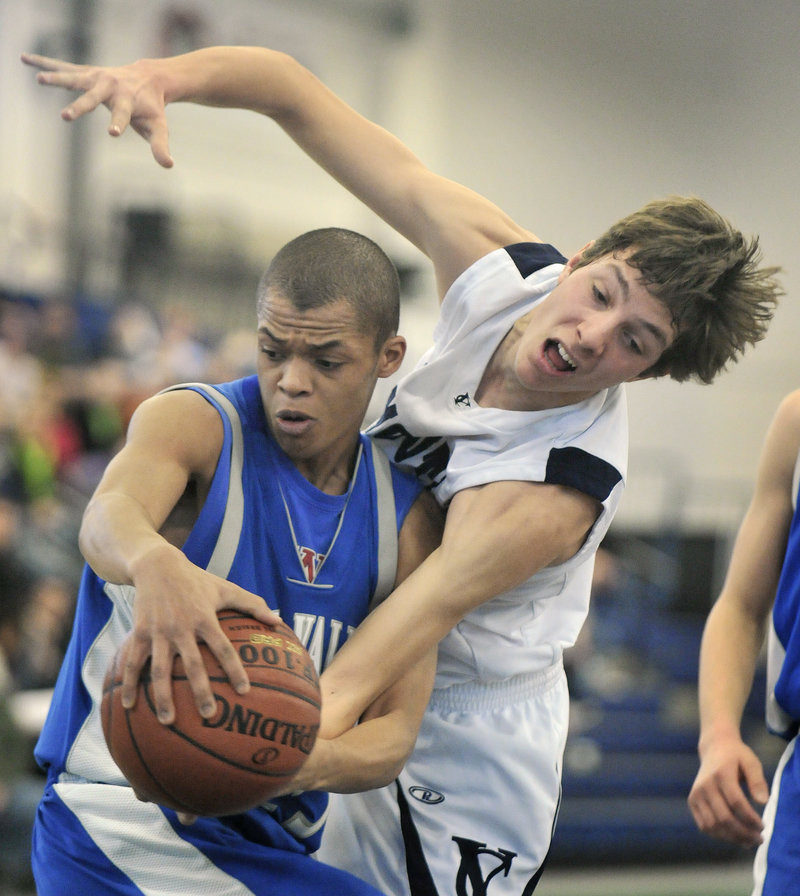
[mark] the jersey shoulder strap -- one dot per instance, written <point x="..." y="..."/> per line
<point x="231" y="528"/>
<point x="387" y="526"/>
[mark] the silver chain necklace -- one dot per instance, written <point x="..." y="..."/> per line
<point x="306" y="557"/>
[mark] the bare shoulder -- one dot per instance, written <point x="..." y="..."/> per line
<point x="173" y="408"/>
<point x="788" y="413"/>
<point x="782" y="442"/>
<point x="776" y="465"/>
<point x="180" y="424"/>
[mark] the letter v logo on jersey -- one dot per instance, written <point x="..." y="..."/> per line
<point x="310" y="561"/>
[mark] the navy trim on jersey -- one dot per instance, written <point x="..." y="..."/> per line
<point x="532" y="257"/>
<point x="583" y="471"/>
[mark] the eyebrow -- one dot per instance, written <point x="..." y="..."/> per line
<point x="321" y="347"/>
<point x="657" y="333"/>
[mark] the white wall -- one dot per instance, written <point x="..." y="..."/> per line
<point x="568" y="113"/>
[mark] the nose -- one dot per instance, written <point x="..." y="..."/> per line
<point x="295" y="377"/>
<point x="594" y="332"/>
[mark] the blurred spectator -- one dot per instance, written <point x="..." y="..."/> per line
<point x="60" y="340"/>
<point x="37" y="588"/>
<point x="18" y="781"/>
<point x="44" y="631"/>
<point x="136" y="340"/>
<point x="15" y="585"/>
<point x="234" y="357"/>
<point x="183" y="358"/>
<point x="20" y="372"/>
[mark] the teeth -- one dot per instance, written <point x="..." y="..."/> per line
<point x="565" y="356"/>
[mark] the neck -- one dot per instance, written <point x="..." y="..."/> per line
<point x="497" y="386"/>
<point x="330" y="475"/>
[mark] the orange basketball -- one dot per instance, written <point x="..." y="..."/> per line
<point x="243" y="755"/>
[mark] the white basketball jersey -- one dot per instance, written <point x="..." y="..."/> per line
<point x="433" y="425"/>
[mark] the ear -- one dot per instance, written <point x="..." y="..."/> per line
<point x="390" y="356"/>
<point x="570" y="266"/>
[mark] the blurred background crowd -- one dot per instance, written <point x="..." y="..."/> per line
<point x="71" y="374"/>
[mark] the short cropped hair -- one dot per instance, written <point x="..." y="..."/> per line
<point x="323" y="266"/>
<point x="707" y="274"/>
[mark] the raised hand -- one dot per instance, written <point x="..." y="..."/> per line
<point x="729" y="773"/>
<point x="133" y="93"/>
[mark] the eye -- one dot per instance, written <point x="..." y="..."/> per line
<point x="600" y="297"/>
<point x="328" y="365"/>
<point x="633" y="344"/>
<point x="272" y="353"/>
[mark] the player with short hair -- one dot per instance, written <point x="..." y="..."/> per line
<point x="516" y="419"/>
<point x="288" y="505"/>
<point x="760" y="595"/>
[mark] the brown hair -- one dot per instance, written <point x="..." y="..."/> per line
<point x="707" y="274"/>
<point x="323" y="266"/>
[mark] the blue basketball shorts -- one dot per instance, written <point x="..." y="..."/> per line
<point x="99" y="840"/>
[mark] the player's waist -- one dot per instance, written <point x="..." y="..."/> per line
<point x="486" y="695"/>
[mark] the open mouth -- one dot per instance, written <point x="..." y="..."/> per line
<point x="293" y="422"/>
<point x="558" y="356"/>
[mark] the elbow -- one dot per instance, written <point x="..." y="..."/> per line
<point x="392" y="759"/>
<point x="388" y="778"/>
<point x="84" y="533"/>
<point x="390" y="770"/>
<point x="397" y="757"/>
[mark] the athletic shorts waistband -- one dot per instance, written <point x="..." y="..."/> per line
<point x="483" y="696"/>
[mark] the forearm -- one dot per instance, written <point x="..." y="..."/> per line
<point x="365" y="757"/>
<point x="373" y="753"/>
<point x="117" y="536"/>
<point x="410" y="622"/>
<point x="365" y="158"/>
<point x="449" y="223"/>
<point x="729" y="652"/>
<point x="255" y="78"/>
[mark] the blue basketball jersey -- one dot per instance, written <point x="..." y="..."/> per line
<point x="319" y="559"/>
<point x="783" y="698"/>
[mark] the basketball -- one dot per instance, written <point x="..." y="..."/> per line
<point x="243" y="755"/>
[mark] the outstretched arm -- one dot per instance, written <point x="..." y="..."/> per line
<point x="451" y="224"/>
<point x="496" y="536"/>
<point x="730" y="772"/>
<point x="373" y="753"/>
<point x="172" y="438"/>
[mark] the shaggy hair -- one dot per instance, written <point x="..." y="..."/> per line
<point x="707" y="274"/>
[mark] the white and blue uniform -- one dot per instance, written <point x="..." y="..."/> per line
<point x="474" y="809"/>
<point x="777" y="862"/>
<point x="321" y="560"/>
